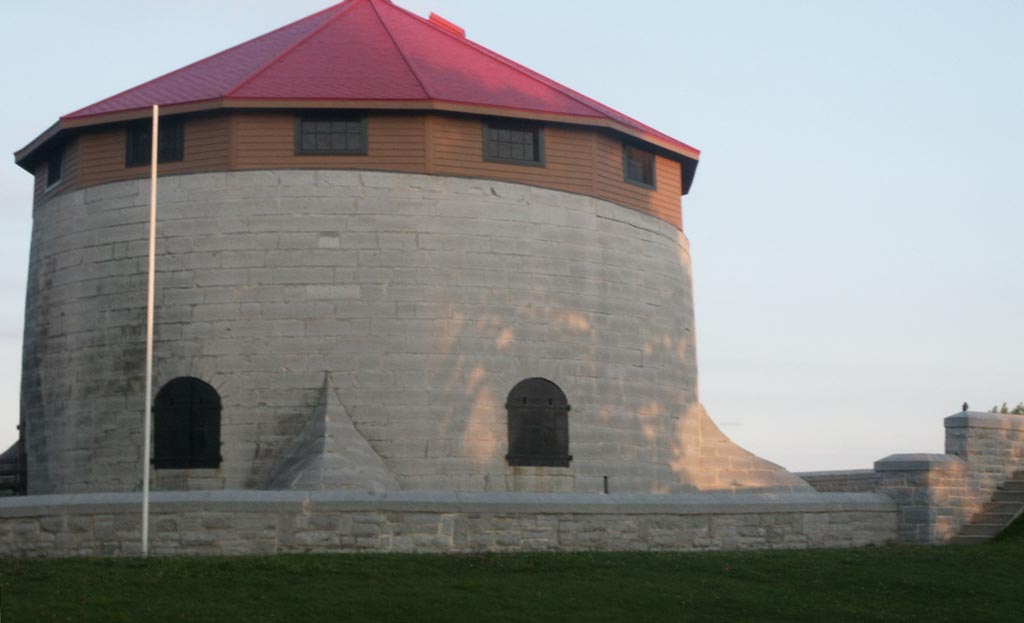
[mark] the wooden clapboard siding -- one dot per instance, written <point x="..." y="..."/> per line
<point x="68" y="178"/>
<point x="207" y="143"/>
<point x="267" y="141"/>
<point x="103" y="152"/>
<point x="662" y="202"/>
<point x="457" y="146"/>
<point x="577" y="159"/>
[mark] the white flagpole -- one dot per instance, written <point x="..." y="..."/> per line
<point x="147" y="434"/>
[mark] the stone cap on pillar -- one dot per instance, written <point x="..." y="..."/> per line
<point x="917" y="462"/>
<point x="982" y="419"/>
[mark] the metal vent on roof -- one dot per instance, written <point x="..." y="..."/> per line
<point x="441" y="22"/>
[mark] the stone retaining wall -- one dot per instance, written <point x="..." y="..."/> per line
<point x="260" y="522"/>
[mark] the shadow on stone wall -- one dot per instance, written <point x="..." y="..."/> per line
<point x="427" y="299"/>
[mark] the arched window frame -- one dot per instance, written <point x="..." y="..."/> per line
<point x="538" y="424"/>
<point x="186" y="417"/>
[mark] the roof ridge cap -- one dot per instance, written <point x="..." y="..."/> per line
<point x="550" y="83"/>
<point x="194" y="63"/>
<point x="394" y="42"/>
<point x="599" y="108"/>
<point x="602" y="109"/>
<point x="284" y="52"/>
<point x="523" y="69"/>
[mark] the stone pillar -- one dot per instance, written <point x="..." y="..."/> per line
<point x="932" y="493"/>
<point x="991" y="444"/>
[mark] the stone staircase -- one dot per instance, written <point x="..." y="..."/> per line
<point x="9" y="475"/>
<point x="1006" y="504"/>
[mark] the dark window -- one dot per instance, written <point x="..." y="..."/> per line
<point x="639" y="166"/>
<point x="186" y="416"/>
<point x="140" y="142"/>
<point x="538" y="424"/>
<point x="332" y="135"/>
<point x="54" y="168"/>
<point x="513" y="141"/>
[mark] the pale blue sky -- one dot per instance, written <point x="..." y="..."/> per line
<point x="857" y="221"/>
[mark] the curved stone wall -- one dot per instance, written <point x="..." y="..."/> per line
<point x="421" y="299"/>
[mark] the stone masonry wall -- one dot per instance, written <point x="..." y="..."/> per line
<point x="250" y="522"/>
<point x="427" y="299"/>
<point x="991" y="445"/>
<point x="932" y="492"/>
<point x="938" y="494"/>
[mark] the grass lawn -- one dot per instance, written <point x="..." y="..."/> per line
<point x="983" y="583"/>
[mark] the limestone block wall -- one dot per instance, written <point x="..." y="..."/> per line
<point x="991" y="444"/>
<point x="938" y="494"/>
<point x="426" y="298"/>
<point x="263" y="522"/>
<point x="933" y="494"/>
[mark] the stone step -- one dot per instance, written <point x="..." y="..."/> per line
<point x="982" y="529"/>
<point x="8" y="483"/>
<point x="1001" y="507"/>
<point x="1002" y="519"/>
<point x="1008" y="496"/>
<point x="969" y="539"/>
<point x="996" y="514"/>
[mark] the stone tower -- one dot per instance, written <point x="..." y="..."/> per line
<point x="388" y="258"/>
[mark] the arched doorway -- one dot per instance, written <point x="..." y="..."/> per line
<point x="538" y="424"/>
<point x="186" y="416"/>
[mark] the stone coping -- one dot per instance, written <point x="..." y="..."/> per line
<point x="838" y="473"/>
<point x="917" y="462"/>
<point x="981" y="419"/>
<point x="448" y="502"/>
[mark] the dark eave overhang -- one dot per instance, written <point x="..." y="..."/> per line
<point x="24" y="156"/>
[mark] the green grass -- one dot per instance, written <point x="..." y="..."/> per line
<point x="982" y="583"/>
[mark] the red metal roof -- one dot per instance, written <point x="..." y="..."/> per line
<point x="372" y="51"/>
